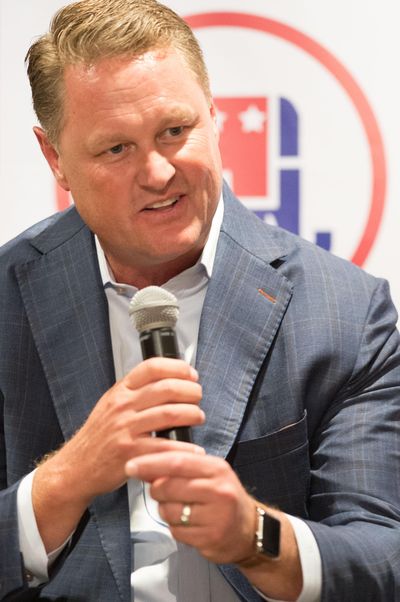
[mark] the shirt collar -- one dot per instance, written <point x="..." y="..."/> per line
<point x="206" y="260"/>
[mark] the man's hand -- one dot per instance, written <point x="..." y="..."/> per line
<point x="157" y="394"/>
<point x="222" y="521"/>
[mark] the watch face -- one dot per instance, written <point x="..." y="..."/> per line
<point x="271" y="536"/>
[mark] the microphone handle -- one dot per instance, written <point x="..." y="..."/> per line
<point x="161" y="342"/>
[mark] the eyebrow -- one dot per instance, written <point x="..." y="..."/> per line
<point x="177" y="114"/>
<point x="104" y="141"/>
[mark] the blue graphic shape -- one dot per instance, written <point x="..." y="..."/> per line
<point x="288" y="214"/>
<point x="324" y="240"/>
<point x="289" y="129"/>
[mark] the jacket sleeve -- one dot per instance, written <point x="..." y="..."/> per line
<point x="355" y="455"/>
<point x="12" y="577"/>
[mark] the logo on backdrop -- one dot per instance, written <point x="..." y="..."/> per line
<point x="300" y="143"/>
<point x="244" y="129"/>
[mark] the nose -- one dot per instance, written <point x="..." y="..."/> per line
<point x="155" y="171"/>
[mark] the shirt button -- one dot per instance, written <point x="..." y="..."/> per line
<point x="120" y="290"/>
<point x="28" y="576"/>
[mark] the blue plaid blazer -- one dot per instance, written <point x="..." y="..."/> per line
<point x="299" y="359"/>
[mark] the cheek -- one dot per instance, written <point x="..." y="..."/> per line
<point x="97" y="186"/>
<point x="211" y="155"/>
<point x="203" y="161"/>
<point x="94" y="198"/>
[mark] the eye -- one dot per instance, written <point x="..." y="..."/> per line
<point x="175" y="131"/>
<point x="117" y="149"/>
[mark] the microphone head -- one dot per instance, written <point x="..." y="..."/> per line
<point x="153" y="307"/>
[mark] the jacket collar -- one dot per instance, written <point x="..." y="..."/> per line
<point x="245" y="303"/>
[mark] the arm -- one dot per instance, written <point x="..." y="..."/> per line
<point x="92" y="462"/>
<point x="354" y="497"/>
<point x="11" y="577"/>
<point x="11" y="567"/>
<point x="354" y="494"/>
<point x="223" y="519"/>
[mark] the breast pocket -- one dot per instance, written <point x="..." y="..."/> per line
<point x="276" y="468"/>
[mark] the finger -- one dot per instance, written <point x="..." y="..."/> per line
<point x="157" y="368"/>
<point x="149" y="445"/>
<point x="168" y="390"/>
<point x="167" y="416"/>
<point x="171" y="464"/>
<point x="177" y="489"/>
<point x="175" y="514"/>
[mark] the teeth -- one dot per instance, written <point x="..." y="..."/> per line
<point x="166" y="203"/>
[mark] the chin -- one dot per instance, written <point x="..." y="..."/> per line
<point x="177" y="253"/>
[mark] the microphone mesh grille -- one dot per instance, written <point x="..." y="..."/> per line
<point x="153" y="307"/>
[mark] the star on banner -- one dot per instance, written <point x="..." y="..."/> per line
<point x="252" y="119"/>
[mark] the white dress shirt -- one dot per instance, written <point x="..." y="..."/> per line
<point x="163" y="569"/>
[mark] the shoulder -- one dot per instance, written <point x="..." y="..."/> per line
<point x="41" y="237"/>
<point x="36" y="242"/>
<point x="301" y="261"/>
<point x="320" y="280"/>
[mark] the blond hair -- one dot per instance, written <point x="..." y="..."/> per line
<point x="89" y="30"/>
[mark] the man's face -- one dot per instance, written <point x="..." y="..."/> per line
<point x="139" y="152"/>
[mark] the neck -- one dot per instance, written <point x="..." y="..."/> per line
<point x="155" y="275"/>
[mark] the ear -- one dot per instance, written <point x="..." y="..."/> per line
<point x="52" y="157"/>
<point x="213" y="113"/>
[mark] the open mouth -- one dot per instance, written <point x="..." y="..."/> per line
<point x="163" y="204"/>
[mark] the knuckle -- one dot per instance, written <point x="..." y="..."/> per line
<point x="169" y="388"/>
<point x="152" y="366"/>
<point x="228" y="492"/>
<point x="177" y="463"/>
<point x="121" y="400"/>
<point x="221" y="466"/>
<point x="169" y="413"/>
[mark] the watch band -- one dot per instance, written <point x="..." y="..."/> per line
<point x="266" y="537"/>
<point x="267" y="534"/>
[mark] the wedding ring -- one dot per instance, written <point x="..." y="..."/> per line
<point x="185" y="515"/>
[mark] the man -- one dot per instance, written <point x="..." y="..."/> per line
<point x="290" y="490"/>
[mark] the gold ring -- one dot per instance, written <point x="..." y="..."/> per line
<point x="185" y="515"/>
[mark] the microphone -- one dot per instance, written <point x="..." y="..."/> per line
<point x="154" y="312"/>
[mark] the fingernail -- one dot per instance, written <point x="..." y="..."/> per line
<point x="131" y="468"/>
<point x="199" y="450"/>
<point x="194" y="373"/>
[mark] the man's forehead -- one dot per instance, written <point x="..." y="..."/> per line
<point x="153" y="77"/>
<point x="115" y="93"/>
<point x="108" y="65"/>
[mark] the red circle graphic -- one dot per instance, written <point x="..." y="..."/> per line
<point x="353" y="90"/>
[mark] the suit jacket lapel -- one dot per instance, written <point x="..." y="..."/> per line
<point x="244" y="305"/>
<point x="67" y="310"/>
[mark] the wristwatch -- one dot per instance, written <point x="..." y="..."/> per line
<point x="267" y="540"/>
<point x="268" y="533"/>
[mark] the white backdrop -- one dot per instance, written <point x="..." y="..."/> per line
<point x="308" y="89"/>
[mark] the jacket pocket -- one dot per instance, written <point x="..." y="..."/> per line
<point x="275" y="468"/>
